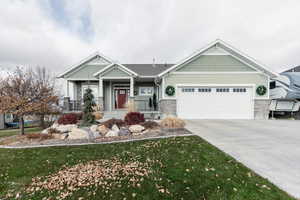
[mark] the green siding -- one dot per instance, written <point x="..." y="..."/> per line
<point x="257" y="79"/>
<point x="213" y="63"/>
<point x="86" y="72"/>
<point x="115" y="73"/>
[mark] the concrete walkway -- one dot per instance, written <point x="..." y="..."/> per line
<point x="271" y="148"/>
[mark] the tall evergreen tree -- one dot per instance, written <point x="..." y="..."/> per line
<point x="88" y="99"/>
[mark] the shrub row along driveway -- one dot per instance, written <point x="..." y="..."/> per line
<point x="271" y="147"/>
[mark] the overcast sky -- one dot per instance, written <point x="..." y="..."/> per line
<point x="59" y="33"/>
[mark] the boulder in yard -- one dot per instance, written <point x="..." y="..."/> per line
<point x="45" y="131"/>
<point x="103" y="129"/>
<point x="124" y="132"/>
<point x="78" y="133"/>
<point x="111" y="134"/>
<point x="136" y="128"/>
<point x="115" y="128"/>
<point x="94" y="128"/>
<point x="66" y="128"/>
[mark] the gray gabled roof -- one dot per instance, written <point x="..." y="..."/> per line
<point x="294" y="69"/>
<point x="148" y="69"/>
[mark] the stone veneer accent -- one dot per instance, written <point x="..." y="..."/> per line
<point x="261" y="109"/>
<point x="168" y="107"/>
<point x="101" y="103"/>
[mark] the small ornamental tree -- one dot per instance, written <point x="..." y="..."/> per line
<point x="22" y="94"/>
<point x="88" y="99"/>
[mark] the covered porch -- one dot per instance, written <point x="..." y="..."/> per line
<point x="112" y="94"/>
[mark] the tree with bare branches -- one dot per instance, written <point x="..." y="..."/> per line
<point x="24" y="92"/>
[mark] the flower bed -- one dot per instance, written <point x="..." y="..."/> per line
<point x="108" y="131"/>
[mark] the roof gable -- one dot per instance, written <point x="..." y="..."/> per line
<point x="115" y="71"/>
<point x="219" y="47"/>
<point x="215" y="63"/>
<point x="94" y="59"/>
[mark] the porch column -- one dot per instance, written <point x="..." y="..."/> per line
<point x="68" y="88"/>
<point x="100" y="87"/>
<point x="131" y="87"/>
<point x="100" y="94"/>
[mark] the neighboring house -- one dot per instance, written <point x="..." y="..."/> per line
<point x="216" y="82"/>
<point x="2" y="122"/>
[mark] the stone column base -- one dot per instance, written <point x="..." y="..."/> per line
<point x="101" y="103"/>
<point x="261" y="108"/>
<point x="168" y="107"/>
<point x="67" y="103"/>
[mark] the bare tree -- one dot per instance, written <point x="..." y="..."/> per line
<point x="22" y="93"/>
<point x="45" y="87"/>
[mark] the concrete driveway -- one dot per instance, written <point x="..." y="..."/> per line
<point x="271" y="148"/>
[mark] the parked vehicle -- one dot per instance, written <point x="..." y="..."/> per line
<point x="285" y="93"/>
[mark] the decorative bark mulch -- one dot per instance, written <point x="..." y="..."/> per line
<point x="155" y="133"/>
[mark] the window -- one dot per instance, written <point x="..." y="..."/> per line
<point x="146" y="91"/>
<point x="239" y="90"/>
<point x="204" y="89"/>
<point x="272" y="85"/>
<point x="188" y="89"/>
<point x="222" y="90"/>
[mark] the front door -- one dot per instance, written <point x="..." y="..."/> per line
<point x="121" y="98"/>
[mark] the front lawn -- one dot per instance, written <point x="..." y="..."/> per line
<point x="11" y="132"/>
<point x="174" y="168"/>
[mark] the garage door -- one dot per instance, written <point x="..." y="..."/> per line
<point x="215" y="102"/>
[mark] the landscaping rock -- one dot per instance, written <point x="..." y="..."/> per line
<point x="115" y="128"/>
<point x="55" y="125"/>
<point x="94" y="128"/>
<point x="45" y="131"/>
<point x="136" y="128"/>
<point x="96" y="134"/>
<point x="103" y="129"/>
<point x="111" y="134"/>
<point x="124" y="132"/>
<point x="77" y="133"/>
<point x="65" y="128"/>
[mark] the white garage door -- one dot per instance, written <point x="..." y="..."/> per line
<point x="215" y="102"/>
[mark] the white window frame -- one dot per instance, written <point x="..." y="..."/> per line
<point x="146" y="87"/>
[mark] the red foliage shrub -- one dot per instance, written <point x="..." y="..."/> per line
<point x="133" y="118"/>
<point x="70" y="118"/>
<point x="109" y="123"/>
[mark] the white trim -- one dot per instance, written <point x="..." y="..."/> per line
<point x="256" y="72"/>
<point x="118" y="68"/>
<point x="147" y="76"/>
<point x="83" y="61"/>
<point x="102" y="70"/>
<point x="131" y="87"/>
<point x="122" y="67"/>
<point x="198" y="53"/>
<point x="163" y="88"/>
<point x="104" y="77"/>
<point x="81" y="79"/>
<point x="100" y="88"/>
<point x="110" y="96"/>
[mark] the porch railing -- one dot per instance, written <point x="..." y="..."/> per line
<point x="77" y="105"/>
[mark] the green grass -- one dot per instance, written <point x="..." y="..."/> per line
<point x="188" y="167"/>
<point x="11" y="132"/>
